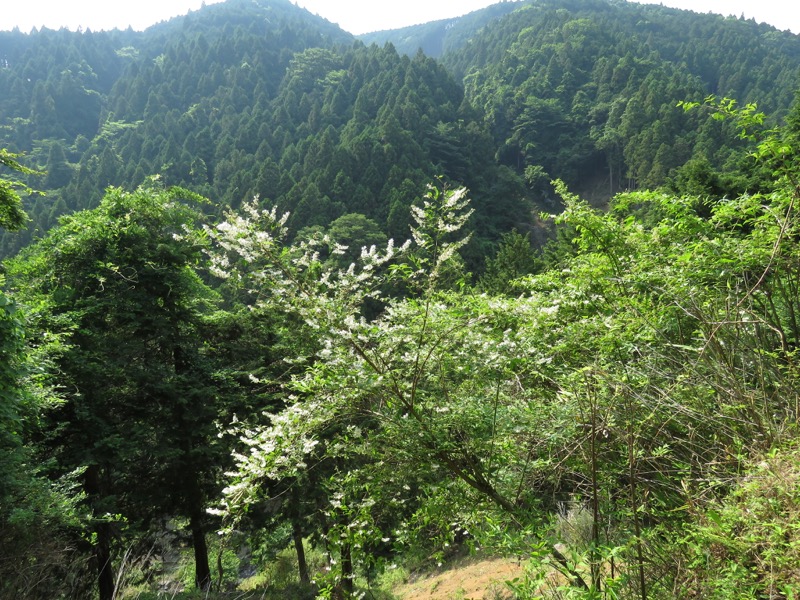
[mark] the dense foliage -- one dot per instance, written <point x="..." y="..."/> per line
<point x="37" y="514"/>
<point x="625" y="385"/>
<point x="215" y="322"/>
<point x="587" y="91"/>
<point x="245" y="98"/>
<point x="440" y="37"/>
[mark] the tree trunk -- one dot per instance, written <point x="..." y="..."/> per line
<point x="611" y="176"/>
<point x="347" y="571"/>
<point x="302" y="566"/>
<point x="102" y="545"/>
<point x="102" y="554"/>
<point x="473" y="476"/>
<point x="202" y="571"/>
<point x="595" y="551"/>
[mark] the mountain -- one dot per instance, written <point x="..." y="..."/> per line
<point x="605" y="408"/>
<point x="260" y="97"/>
<point x="55" y="83"/>
<point x="587" y="90"/>
<point x="439" y="37"/>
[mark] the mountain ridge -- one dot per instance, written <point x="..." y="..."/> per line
<point x="254" y="97"/>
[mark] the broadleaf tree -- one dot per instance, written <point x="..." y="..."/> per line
<point x="37" y="516"/>
<point x="433" y="373"/>
<point x="635" y="376"/>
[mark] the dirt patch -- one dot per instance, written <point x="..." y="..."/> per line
<point x="471" y="580"/>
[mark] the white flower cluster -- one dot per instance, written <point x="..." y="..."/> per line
<point x="360" y="366"/>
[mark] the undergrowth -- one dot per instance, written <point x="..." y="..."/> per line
<point x="748" y="545"/>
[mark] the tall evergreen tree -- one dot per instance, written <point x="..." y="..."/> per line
<point x="119" y="284"/>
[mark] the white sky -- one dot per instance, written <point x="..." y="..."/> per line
<point x="355" y="16"/>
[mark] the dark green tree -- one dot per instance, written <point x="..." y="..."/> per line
<point x="12" y="216"/>
<point x="35" y="514"/>
<point x="119" y="284"/>
<point x="358" y="233"/>
<point x="515" y="258"/>
<point x="58" y="170"/>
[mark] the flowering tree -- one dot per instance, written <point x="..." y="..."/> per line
<point x="425" y="394"/>
<point x="641" y="365"/>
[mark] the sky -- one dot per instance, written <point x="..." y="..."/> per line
<point x="355" y="16"/>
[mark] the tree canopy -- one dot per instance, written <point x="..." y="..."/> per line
<point x="351" y="305"/>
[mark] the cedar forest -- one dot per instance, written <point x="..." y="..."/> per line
<point x="524" y="283"/>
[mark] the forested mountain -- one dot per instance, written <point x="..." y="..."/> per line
<point x="438" y="37"/>
<point x="106" y="77"/>
<point x="305" y="291"/>
<point x="244" y="98"/>
<point x="586" y="87"/>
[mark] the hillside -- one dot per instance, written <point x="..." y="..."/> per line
<point x="592" y="87"/>
<point x="439" y="37"/>
<point x="244" y="98"/>
<point x="300" y="317"/>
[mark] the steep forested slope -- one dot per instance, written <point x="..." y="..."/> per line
<point x="53" y="83"/>
<point x="66" y="96"/>
<point x="586" y="88"/>
<point x="438" y="37"/>
<point x="341" y="131"/>
<point x="289" y="108"/>
<point x="260" y="97"/>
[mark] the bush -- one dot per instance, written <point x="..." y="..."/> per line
<point x="748" y="545"/>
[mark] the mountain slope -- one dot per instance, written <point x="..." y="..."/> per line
<point x="588" y="91"/>
<point x="260" y="97"/>
<point x="438" y="37"/>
